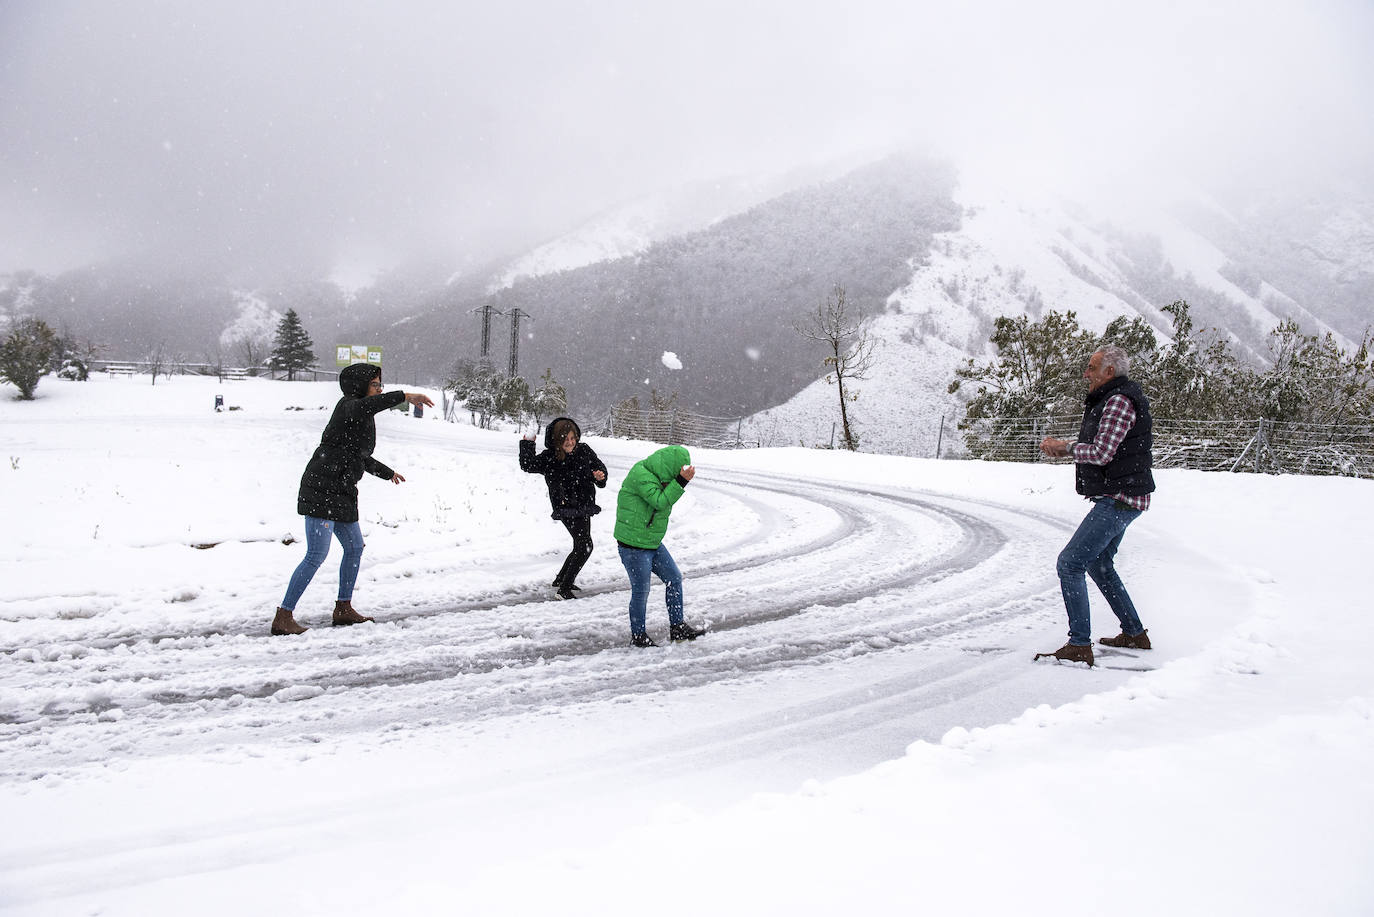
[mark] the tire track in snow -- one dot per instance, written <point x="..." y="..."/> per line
<point x="869" y="580"/>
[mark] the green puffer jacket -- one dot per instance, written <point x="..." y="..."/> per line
<point x="647" y="496"/>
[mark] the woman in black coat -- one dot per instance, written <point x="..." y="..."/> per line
<point x="572" y="472"/>
<point x="328" y="497"/>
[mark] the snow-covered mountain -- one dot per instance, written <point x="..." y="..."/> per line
<point x="630" y="229"/>
<point x="1019" y="254"/>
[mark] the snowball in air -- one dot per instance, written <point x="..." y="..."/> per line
<point x="670" y="360"/>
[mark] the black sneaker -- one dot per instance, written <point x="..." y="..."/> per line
<point x="685" y="631"/>
<point x="641" y="640"/>
<point x="566" y="592"/>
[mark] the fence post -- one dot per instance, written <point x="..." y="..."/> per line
<point x="940" y="439"/>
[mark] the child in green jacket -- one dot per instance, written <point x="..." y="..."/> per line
<point x="642" y="509"/>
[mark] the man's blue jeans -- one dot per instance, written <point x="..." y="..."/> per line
<point x="318" y="533"/>
<point x="1091" y="551"/>
<point x="639" y="564"/>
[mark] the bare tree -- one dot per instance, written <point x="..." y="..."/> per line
<point x="252" y="349"/>
<point x="850" y="351"/>
<point x="157" y="360"/>
<point x="213" y="356"/>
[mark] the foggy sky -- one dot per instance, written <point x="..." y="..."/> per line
<point x="302" y="135"/>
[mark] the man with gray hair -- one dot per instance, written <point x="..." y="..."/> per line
<point x="1112" y="459"/>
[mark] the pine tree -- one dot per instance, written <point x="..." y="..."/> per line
<point x="1314" y="380"/>
<point x="292" y="348"/>
<point x="1038" y="372"/>
<point x="549" y="400"/>
<point x="1195" y="376"/>
<point x="513" y="398"/>
<point x="479" y="386"/>
<point x="26" y="355"/>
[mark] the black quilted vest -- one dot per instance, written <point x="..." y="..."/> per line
<point x="1129" y="470"/>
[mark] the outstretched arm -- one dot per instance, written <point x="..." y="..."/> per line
<point x="419" y="398"/>
<point x="530" y="461"/>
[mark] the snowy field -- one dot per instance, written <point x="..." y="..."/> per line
<point x="861" y="732"/>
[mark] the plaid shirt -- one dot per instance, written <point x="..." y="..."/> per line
<point x="1118" y="416"/>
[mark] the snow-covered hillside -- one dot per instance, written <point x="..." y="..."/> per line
<point x="1020" y="254"/>
<point x="632" y="228"/>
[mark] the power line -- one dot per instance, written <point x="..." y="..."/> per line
<point x="487" y="311"/>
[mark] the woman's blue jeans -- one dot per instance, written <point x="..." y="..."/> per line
<point x="1091" y="551"/>
<point x="639" y="564"/>
<point x="317" y="536"/>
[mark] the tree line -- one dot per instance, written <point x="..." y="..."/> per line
<point x="489" y="394"/>
<point x="31" y="349"/>
<point x="1037" y="374"/>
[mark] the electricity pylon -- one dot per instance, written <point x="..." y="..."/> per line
<point x="515" y="315"/>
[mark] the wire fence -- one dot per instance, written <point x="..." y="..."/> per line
<point x="1263" y="446"/>
<point x="673" y="426"/>
<point x="1266" y="446"/>
<point x="185" y="368"/>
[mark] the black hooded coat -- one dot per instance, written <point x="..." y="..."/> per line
<point x="329" y="486"/>
<point x="572" y="489"/>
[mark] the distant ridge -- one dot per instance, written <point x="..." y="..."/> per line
<point x="931" y="257"/>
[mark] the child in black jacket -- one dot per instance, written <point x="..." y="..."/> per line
<point x="571" y="470"/>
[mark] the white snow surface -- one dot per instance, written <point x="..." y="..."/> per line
<point x="862" y="729"/>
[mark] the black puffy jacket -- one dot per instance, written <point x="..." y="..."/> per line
<point x="572" y="489"/>
<point x="329" y="486"/>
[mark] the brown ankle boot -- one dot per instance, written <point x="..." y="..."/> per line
<point x="344" y="615"/>
<point x="1070" y="653"/>
<point x="285" y="623"/>
<point x="1140" y="641"/>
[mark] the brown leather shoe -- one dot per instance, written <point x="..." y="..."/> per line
<point x="344" y="615"/>
<point x="285" y="623"/>
<point x="1140" y="641"/>
<point x="1070" y="653"/>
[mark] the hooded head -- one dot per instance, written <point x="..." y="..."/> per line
<point x="557" y="429"/>
<point x="666" y="463"/>
<point x="355" y="379"/>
